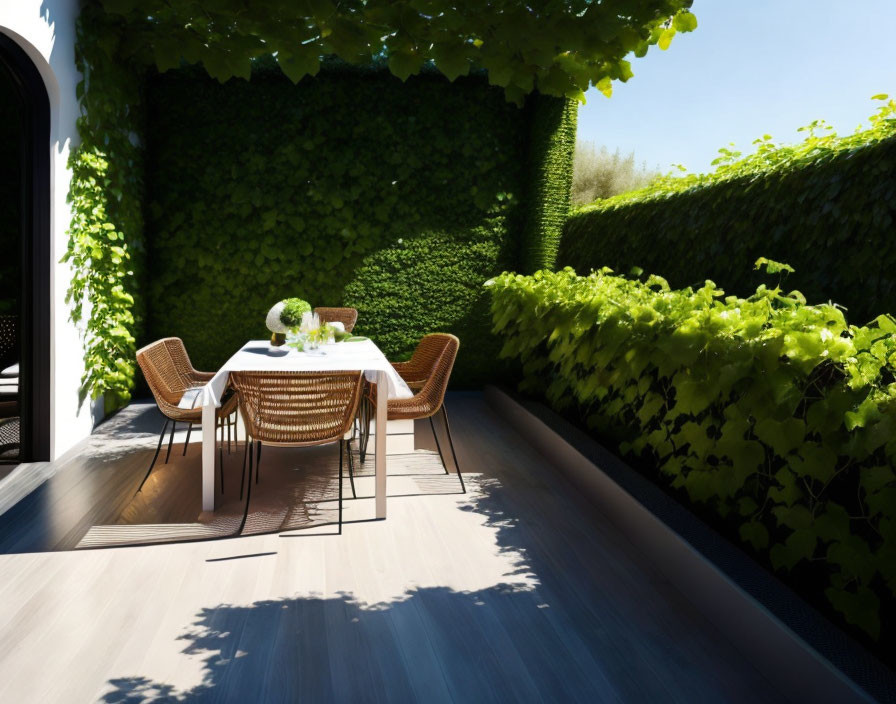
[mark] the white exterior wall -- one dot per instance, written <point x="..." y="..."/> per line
<point x="45" y="30"/>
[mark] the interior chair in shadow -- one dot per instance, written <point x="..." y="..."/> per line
<point x="347" y="316"/>
<point x="427" y="373"/>
<point x="170" y="376"/>
<point x="9" y="389"/>
<point x="296" y="409"/>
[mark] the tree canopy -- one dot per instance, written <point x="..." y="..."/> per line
<point x="559" y="47"/>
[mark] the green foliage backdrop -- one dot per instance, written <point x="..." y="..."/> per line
<point x="827" y="206"/>
<point x="350" y="188"/>
<point x="558" y="49"/>
<point x="776" y="416"/>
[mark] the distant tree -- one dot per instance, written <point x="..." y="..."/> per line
<point x="599" y="174"/>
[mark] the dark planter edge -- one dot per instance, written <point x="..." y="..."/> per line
<point x="793" y="645"/>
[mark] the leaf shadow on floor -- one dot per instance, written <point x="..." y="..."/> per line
<point x="571" y="616"/>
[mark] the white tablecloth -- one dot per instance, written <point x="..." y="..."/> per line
<point x="259" y="356"/>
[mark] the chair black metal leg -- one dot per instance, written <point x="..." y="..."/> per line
<point x="245" y="457"/>
<point x="361" y="451"/>
<point x="258" y="461"/>
<point x="154" y="457"/>
<point x="370" y="418"/>
<point x="438" y="445"/>
<point x="453" y="453"/>
<point x="351" y="467"/>
<point x="221" y="463"/>
<point x="170" y="441"/>
<point x="361" y="415"/>
<point x="365" y="429"/>
<point x="189" y="430"/>
<point x="229" y="423"/>
<point x="340" y="488"/>
<point x="236" y="430"/>
<point x="250" y="450"/>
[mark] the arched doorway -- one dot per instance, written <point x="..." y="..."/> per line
<point x="24" y="259"/>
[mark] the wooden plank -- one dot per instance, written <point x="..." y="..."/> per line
<point x="516" y="590"/>
<point x="399" y="444"/>
<point x="21" y="480"/>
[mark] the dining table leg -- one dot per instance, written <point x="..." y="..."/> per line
<point x="380" y="451"/>
<point x="208" y="457"/>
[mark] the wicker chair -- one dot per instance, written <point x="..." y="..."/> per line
<point x="347" y="316"/>
<point x="296" y="409"/>
<point x="427" y="372"/>
<point x="169" y="374"/>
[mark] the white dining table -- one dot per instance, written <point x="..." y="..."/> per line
<point x="260" y="355"/>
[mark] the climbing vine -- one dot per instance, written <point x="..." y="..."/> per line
<point x="105" y="249"/>
<point x="559" y="47"/>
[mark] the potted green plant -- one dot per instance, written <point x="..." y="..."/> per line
<point x="285" y="315"/>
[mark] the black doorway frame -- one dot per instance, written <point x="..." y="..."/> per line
<point x="34" y="378"/>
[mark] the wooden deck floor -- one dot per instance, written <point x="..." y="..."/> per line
<point x="515" y="591"/>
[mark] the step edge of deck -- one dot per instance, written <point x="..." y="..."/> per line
<point x="781" y="654"/>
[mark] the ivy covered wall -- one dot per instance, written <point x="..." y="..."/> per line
<point x="553" y="135"/>
<point x="350" y="188"/>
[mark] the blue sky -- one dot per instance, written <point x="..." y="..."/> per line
<point x="751" y="67"/>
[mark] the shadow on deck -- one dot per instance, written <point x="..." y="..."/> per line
<point x="515" y="591"/>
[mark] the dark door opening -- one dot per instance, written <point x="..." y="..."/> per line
<point x="24" y="259"/>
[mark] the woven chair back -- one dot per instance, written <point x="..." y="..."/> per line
<point x="436" y="385"/>
<point x="161" y="363"/>
<point x="427" y="356"/>
<point x="436" y="360"/>
<point x="181" y="359"/>
<point x="297" y="408"/>
<point x="347" y="316"/>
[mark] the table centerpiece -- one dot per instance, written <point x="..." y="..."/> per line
<point x="284" y="316"/>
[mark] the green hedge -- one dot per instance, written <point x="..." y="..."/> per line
<point x="350" y="188"/>
<point x="776" y="417"/>
<point x="829" y="214"/>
